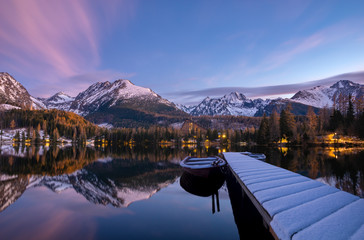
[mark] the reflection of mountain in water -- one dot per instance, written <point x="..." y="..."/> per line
<point x="11" y="188"/>
<point x="118" y="190"/>
<point x="118" y="182"/>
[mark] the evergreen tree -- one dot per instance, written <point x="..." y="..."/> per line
<point x="37" y="136"/>
<point x="323" y="120"/>
<point x="360" y="125"/>
<point x="23" y="138"/>
<point x="74" y="136"/>
<point x="274" y="130"/>
<point x="215" y="135"/>
<point x="336" y="120"/>
<point x="12" y="124"/>
<point x="287" y="124"/>
<point x="263" y="132"/>
<point x="359" y="105"/>
<point x="82" y="137"/>
<point x="44" y="127"/>
<point x="33" y="136"/>
<point x="55" y="135"/>
<point x="28" y="133"/>
<point x="349" y="120"/>
<point x="311" y="124"/>
<point x="17" y="136"/>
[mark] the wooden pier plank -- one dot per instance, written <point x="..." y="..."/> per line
<point x="358" y="235"/>
<point x="270" y="177"/>
<point x="296" y="206"/>
<point x="298" y="218"/>
<point x="255" y="187"/>
<point x="336" y="225"/>
<point x="280" y="204"/>
<point x="274" y="193"/>
<point x="258" y="175"/>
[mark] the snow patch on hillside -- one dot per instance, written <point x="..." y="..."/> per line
<point x="6" y="107"/>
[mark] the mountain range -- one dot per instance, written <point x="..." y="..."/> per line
<point x="321" y="96"/>
<point x="124" y="104"/>
<point x="237" y="104"/>
<point x="121" y="103"/>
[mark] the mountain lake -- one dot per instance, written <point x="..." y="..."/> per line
<point x="143" y="193"/>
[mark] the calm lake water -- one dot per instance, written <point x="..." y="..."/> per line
<point x="71" y="193"/>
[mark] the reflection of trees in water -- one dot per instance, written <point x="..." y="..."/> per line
<point x="342" y="168"/>
<point x="344" y="171"/>
<point x="313" y="163"/>
<point x="126" y="172"/>
<point x="52" y="161"/>
<point x="39" y="160"/>
<point x="127" y="176"/>
<point x="157" y="153"/>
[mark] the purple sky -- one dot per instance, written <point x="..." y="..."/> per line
<point x="183" y="50"/>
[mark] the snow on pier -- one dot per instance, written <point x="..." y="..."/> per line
<point x="297" y="207"/>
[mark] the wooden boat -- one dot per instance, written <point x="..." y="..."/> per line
<point x="203" y="167"/>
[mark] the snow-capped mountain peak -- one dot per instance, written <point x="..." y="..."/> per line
<point x="60" y="100"/>
<point x="103" y="99"/>
<point x="230" y="104"/>
<point x="234" y="97"/>
<point x="109" y="94"/>
<point x="13" y="93"/>
<point x="344" y="84"/>
<point x="322" y="96"/>
<point x="60" y="97"/>
<point x="127" y="89"/>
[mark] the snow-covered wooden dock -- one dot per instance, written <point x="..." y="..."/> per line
<point x="297" y="207"/>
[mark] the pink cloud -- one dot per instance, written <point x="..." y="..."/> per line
<point x="50" y="32"/>
<point x="53" y="40"/>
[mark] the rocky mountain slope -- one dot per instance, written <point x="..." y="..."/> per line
<point x="124" y="104"/>
<point x="13" y="93"/>
<point x="238" y="105"/>
<point x="322" y="96"/>
<point x="121" y="92"/>
<point x="120" y="103"/>
<point x="60" y="101"/>
<point x="231" y="104"/>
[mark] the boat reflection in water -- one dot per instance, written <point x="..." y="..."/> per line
<point x="203" y="187"/>
<point x="206" y="181"/>
<point x="203" y="177"/>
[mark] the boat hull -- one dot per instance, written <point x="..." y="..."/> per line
<point x="203" y="167"/>
<point x="201" y="186"/>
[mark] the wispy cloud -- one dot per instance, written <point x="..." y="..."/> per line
<point x="278" y="58"/>
<point x="53" y="40"/>
<point x="193" y="97"/>
<point x="292" y="48"/>
<point x="53" y="33"/>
